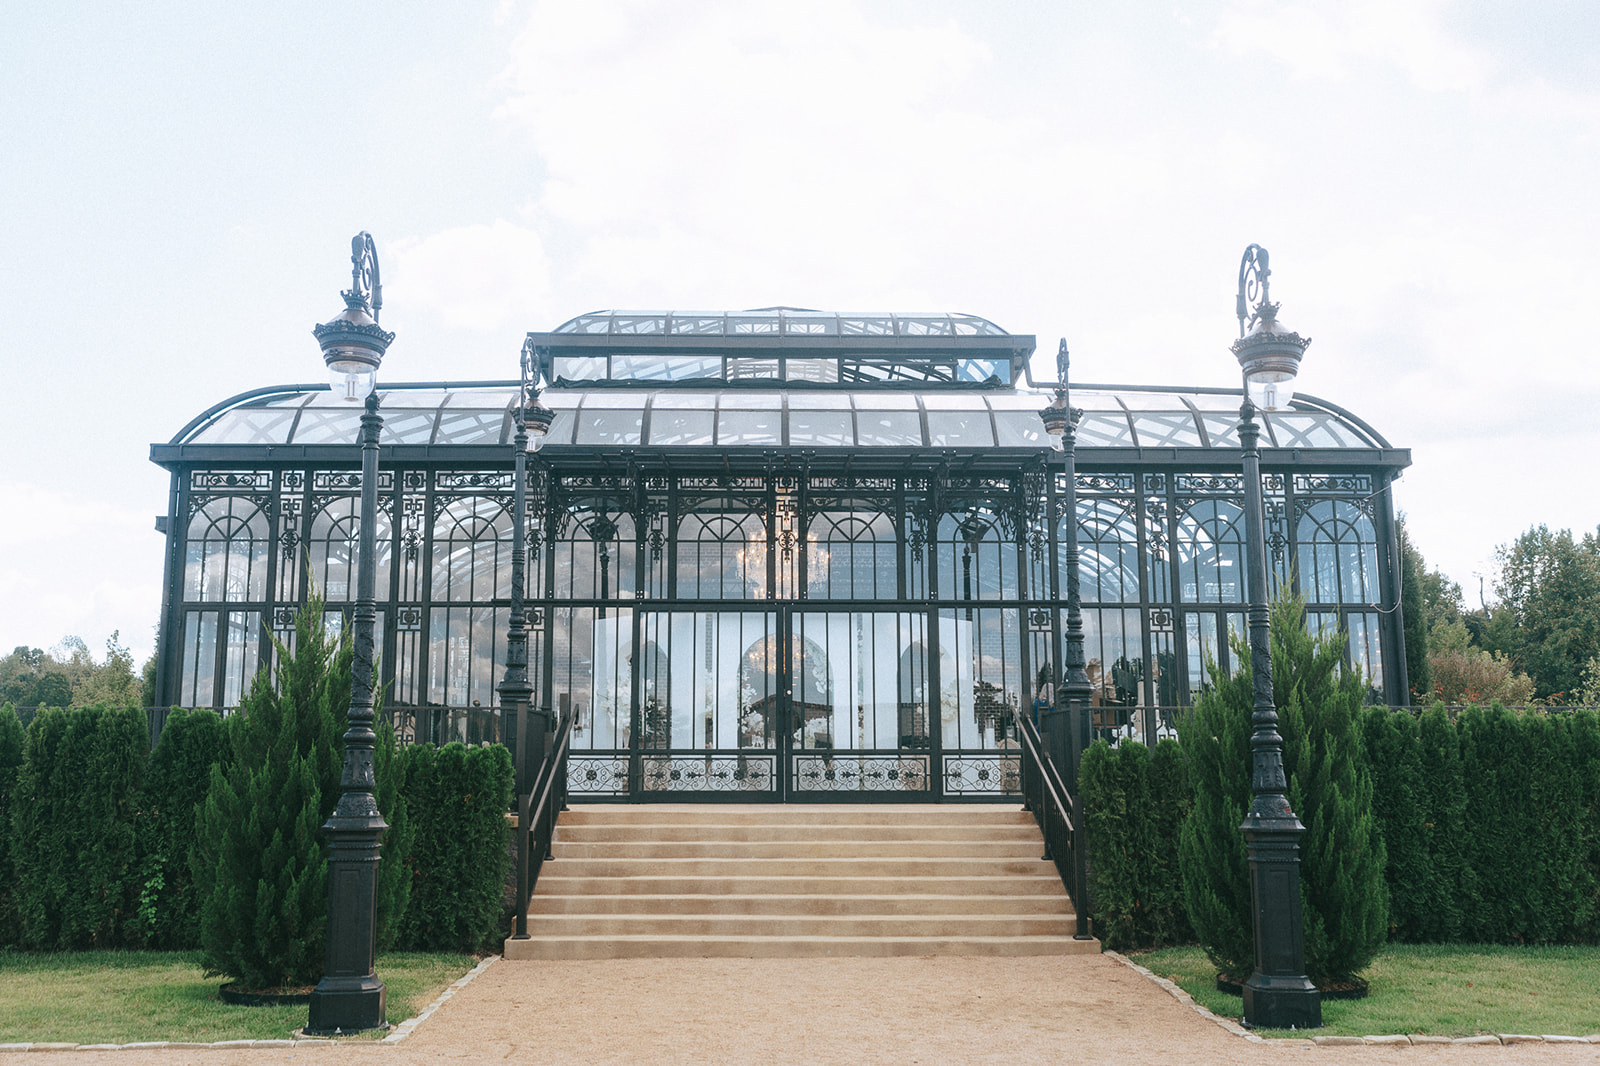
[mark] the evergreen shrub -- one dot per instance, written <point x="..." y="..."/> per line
<point x="1345" y="900"/>
<point x="1442" y="900"/>
<point x="74" y="843"/>
<point x="1134" y="800"/>
<point x="457" y="798"/>
<point x="175" y="785"/>
<point x="1394" y="754"/>
<point x="11" y="742"/>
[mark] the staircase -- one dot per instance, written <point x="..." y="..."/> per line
<point x="660" y="881"/>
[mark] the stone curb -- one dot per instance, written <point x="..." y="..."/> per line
<point x="397" y="1034"/>
<point x="1396" y="1040"/>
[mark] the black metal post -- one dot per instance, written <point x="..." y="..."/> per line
<point x="350" y="998"/>
<point x="1071" y="726"/>
<point x="1278" y="994"/>
<point x="515" y="689"/>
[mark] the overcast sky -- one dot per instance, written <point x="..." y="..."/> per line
<point x="179" y="183"/>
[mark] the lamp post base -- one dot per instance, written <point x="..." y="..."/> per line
<point x="347" y="1005"/>
<point x="1281" y="1003"/>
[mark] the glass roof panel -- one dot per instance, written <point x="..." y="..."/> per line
<point x="709" y="323"/>
<point x="664" y="399"/>
<point x="751" y="401"/>
<point x="1166" y="429"/>
<point x="615" y="400"/>
<point x="889" y="429"/>
<point x="749" y="427"/>
<point x="867" y="325"/>
<point x="811" y="323"/>
<point x="1019" y="429"/>
<point x="561" y="427"/>
<point x="408" y="426"/>
<point x="819" y="401"/>
<point x="822" y="371"/>
<point x="328" y="425"/>
<point x="640" y="323"/>
<point x="681" y="427"/>
<point x="1104" y="429"/>
<point x="261" y="425"/>
<point x="461" y="425"/>
<point x="960" y="401"/>
<point x="579" y="368"/>
<point x="884" y="401"/>
<point x="827" y="428"/>
<point x="790" y="321"/>
<point x="1222" y="429"/>
<point x="1311" y="429"/>
<point x="960" y="429"/>
<point x="741" y="325"/>
<point x="924" y="325"/>
<point x="609" y="426"/>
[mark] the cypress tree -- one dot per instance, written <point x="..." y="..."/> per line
<point x="1586" y="753"/>
<point x="1215" y="735"/>
<point x="1450" y="891"/>
<point x="1170" y="804"/>
<point x="1394" y="754"/>
<point x="11" y="742"/>
<point x="1345" y="900"/>
<point x="1112" y="782"/>
<point x="259" y="863"/>
<point x="175" y="786"/>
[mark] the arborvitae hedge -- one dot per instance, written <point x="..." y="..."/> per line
<point x="74" y="840"/>
<point x="458" y="798"/>
<point x="175" y="785"/>
<point x="1134" y="802"/>
<point x="11" y="743"/>
<point x="1394" y="754"/>
<point x="1342" y="862"/>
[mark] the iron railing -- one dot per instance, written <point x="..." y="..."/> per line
<point x="537" y="812"/>
<point x="1058" y="813"/>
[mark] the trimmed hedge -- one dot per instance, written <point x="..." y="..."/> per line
<point x="12" y="738"/>
<point x="458" y="798"/>
<point x="175" y="785"/>
<point x="1503" y="843"/>
<point x="1134" y="803"/>
<point x="73" y="817"/>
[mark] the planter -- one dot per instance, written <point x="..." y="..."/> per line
<point x="1356" y="989"/>
<point x="232" y="993"/>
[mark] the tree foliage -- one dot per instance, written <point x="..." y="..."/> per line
<point x="1414" y="613"/>
<point x="1549" y="589"/>
<point x="11" y="744"/>
<point x="175" y="786"/>
<point x="67" y="675"/>
<point x="1344" y="897"/>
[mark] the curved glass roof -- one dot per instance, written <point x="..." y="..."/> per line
<point x="781" y="321"/>
<point x="480" y="414"/>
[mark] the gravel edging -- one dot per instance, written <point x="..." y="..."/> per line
<point x="1395" y="1040"/>
<point x="395" y="1035"/>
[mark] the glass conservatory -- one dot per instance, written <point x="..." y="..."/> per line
<point x="773" y="554"/>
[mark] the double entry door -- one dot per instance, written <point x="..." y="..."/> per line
<point x="785" y="704"/>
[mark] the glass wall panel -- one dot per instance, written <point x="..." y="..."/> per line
<point x="1338" y="553"/>
<point x="980" y="676"/>
<point x="595" y="554"/>
<point x="199" y="661"/>
<point x="721" y="555"/>
<point x="851" y="555"/>
<point x="334" y="549"/>
<point x="466" y="654"/>
<point x="977" y="557"/>
<point x="1211" y="552"/>
<point x="472" y="550"/>
<point x="227" y="550"/>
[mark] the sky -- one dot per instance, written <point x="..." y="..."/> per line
<point x="179" y="182"/>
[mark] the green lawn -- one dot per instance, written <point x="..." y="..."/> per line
<point x="123" y="997"/>
<point x="1434" y="989"/>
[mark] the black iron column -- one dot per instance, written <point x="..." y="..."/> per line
<point x="516" y="690"/>
<point x="1278" y="994"/>
<point x="1070" y="724"/>
<point x="350" y="998"/>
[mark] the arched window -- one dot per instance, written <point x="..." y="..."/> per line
<point x="1211" y="552"/>
<point x="595" y="555"/>
<point x="1338" y="553"/>
<point x="722" y="555"/>
<point x="472" y="550"/>
<point x="227" y="551"/>
<point x="334" y="548"/>
<point x="977" y="555"/>
<point x="851" y="555"/>
<point x="1108" y="551"/>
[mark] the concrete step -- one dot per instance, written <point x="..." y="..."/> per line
<point x="1054" y="903"/>
<point x="929" y="926"/>
<point x="825" y="850"/>
<point x="753" y="880"/>
<point x="669" y="947"/>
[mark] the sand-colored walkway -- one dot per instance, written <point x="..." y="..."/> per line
<point x="941" y="1010"/>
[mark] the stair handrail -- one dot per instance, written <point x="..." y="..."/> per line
<point x="1057" y="811"/>
<point x="536" y="820"/>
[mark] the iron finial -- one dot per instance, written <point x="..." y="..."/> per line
<point x="365" y="288"/>
<point x="1252" y="303"/>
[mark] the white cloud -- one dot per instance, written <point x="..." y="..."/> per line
<point x="475" y="277"/>
<point x="1333" y="40"/>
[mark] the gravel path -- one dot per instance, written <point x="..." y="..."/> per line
<point x="817" y="1012"/>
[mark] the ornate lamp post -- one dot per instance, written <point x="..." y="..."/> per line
<point x="532" y="420"/>
<point x="1067" y="720"/>
<point x="1278" y="994"/>
<point x="350" y="998"/>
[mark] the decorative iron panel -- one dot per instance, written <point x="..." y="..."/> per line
<point x="710" y="773"/>
<point x="860" y="773"/>
<point x="982" y="775"/>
